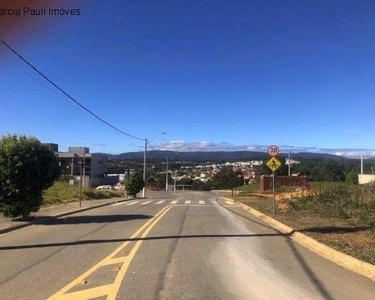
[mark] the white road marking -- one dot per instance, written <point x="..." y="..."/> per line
<point x="201" y="202"/>
<point x="144" y="203"/>
<point x="119" y="203"/>
<point x="187" y="202"/>
<point x="191" y="205"/>
<point x="131" y="203"/>
<point x="160" y="202"/>
<point x="174" y="202"/>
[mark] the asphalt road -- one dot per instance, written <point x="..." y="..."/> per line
<point x="188" y="245"/>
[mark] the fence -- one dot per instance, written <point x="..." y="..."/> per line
<point x="266" y="183"/>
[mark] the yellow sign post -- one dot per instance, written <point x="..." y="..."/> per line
<point x="273" y="163"/>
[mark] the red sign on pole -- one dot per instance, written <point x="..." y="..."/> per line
<point x="273" y="150"/>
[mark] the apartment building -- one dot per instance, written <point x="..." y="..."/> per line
<point x="79" y="161"/>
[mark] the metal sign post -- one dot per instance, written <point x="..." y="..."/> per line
<point x="274" y="194"/>
<point x="273" y="164"/>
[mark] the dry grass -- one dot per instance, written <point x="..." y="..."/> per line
<point x="62" y="192"/>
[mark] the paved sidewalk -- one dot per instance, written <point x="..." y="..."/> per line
<point x="7" y="224"/>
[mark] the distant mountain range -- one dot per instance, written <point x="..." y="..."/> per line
<point x="219" y="156"/>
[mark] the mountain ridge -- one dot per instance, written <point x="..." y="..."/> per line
<point x="219" y="156"/>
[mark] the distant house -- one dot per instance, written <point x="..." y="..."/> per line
<point x="79" y="161"/>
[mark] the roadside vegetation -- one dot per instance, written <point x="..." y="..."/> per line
<point x="61" y="192"/>
<point x="340" y="215"/>
<point x="27" y="168"/>
<point x="248" y="189"/>
<point x="134" y="184"/>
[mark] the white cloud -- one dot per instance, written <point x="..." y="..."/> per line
<point x="225" y="146"/>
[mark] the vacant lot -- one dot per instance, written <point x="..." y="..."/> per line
<point x="62" y="192"/>
<point x="339" y="215"/>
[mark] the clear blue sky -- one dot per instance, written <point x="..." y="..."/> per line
<point x="298" y="73"/>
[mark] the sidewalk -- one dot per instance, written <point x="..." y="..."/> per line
<point x="7" y="224"/>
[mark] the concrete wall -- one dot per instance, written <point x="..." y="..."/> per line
<point x="99" y="164"/>
<point x="78" y="150"/>
<point x="365" y="178"/>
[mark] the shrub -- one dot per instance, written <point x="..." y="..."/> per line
<point x="27" y="167"/>
<point x="134" y="184"/>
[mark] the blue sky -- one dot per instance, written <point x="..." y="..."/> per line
<point x="212" y="74"/>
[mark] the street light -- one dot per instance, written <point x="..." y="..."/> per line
<point x="166" y="177"/>
<point x="289" y="161"/>
<point x="144" y="163"/>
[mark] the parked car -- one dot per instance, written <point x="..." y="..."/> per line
<point x="105" y="187"/>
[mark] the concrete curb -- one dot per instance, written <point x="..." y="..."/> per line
<point x="346" y="261"/>
<point x="44" y="218"/>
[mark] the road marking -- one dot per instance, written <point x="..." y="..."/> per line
<point x="144" y="203"/>
<point x="121" y="274"/>
<point x="190" y="205"/>
<point x="174" y="202"/>
<point x="131" y="203"/>
<point x="160" y="202"/>
<point x="110" y="289"/>
<point x="120" y="203"/>
<point x="187" y="202"/>
<point x="201" y="202"/>
<point x="88" y="293"/>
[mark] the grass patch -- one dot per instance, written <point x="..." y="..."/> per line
<point x="62" y="192"/>
<point x="319" y="185"/>
<point x="343" y="201"/>
<point x="248" y="189"/>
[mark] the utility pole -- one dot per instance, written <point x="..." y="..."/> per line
<point x="144" y="164"/>
<point x="166" y="177"/>
<point x="175" y="175"/>
<point x="84" y="168"/>
<point x="144" y="169"/>
<point x="80" y="183"/>
<point x="289" y="162"/>
<point x="126" y="178"/>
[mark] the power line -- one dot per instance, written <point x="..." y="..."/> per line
<point x="37" y="80"/>
<point x="70" y="97"/>
<point x="150" y="145"/>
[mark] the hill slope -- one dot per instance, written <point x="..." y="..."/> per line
<point x="219" y="156"/>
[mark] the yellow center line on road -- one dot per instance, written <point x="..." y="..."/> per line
<point x="110" y="289"/>
<point x="121" y="274"/>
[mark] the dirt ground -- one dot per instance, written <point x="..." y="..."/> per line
<point x="339" y="234"/>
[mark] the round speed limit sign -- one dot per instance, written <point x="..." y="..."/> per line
<point x="273" y="150"/>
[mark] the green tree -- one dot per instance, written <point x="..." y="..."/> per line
<point x="351" y="177"/>
<point x="161" y="181"/>
<point x="202" y="186"/>
<point x="27" y="167"/>
<point x="134" y="184"/>
<point x="328" y="172"/>
<point x="227" y="178"/>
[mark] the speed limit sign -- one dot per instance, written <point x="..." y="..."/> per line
<point x="273" y="150"/>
